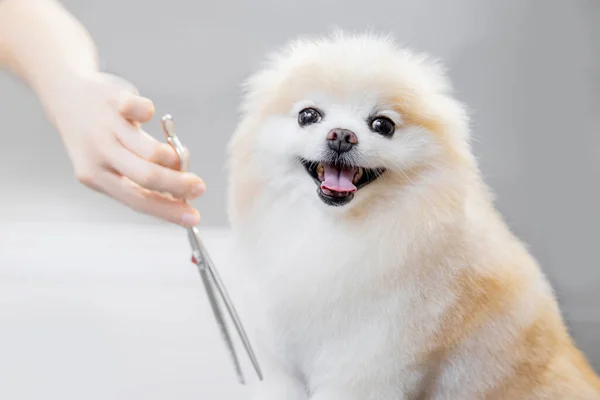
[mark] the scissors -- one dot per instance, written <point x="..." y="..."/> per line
<point x="209" y="274"/>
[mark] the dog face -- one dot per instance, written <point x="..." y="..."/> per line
<point x="346" y="120"/>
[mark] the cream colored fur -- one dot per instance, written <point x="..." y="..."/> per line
<point x="414" y="290"/>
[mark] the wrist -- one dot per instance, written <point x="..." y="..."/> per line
<point x="49" y="80"/>
<point x="61" y="88"/>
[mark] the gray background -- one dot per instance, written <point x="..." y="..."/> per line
<point x="529" y="70"/>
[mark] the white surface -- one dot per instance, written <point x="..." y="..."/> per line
<point x="108" y="312"/>
<point x="118" y="312"/>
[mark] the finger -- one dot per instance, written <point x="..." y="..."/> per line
<point x="182" y="185"/>
<point x="135" y="108"/>
<point x="148" y="202"/>
<point x="147" y="147"/>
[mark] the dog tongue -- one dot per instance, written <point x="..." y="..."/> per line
<point x="338" y="180"/>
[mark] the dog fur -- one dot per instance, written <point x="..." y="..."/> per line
<point x="415" y="289"/>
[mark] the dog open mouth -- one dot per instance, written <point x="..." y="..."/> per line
<point x="337" y="183"/>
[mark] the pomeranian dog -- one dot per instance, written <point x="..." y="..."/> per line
<point x="380" y="265"/>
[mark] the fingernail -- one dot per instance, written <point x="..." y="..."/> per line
<point x="190" y="219"/>
<point x="199" y="189"/>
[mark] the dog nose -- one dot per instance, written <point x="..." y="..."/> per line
<point x="341" y="140"/>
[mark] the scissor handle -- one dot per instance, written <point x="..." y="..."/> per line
<point x="173" y="140"/>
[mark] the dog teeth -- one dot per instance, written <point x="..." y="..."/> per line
<point x="321" y="171"/>
<point x="359" y="173"/>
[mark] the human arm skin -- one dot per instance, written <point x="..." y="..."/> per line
<point x="98" y="115"/>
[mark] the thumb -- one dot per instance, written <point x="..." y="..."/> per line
<point x="135" y="108"/>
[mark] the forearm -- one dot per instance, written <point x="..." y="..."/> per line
<point x="43" y="44"/>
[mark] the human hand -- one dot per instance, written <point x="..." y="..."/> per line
<point x="99" y="117"/>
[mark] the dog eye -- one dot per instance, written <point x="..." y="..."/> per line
<point x="384" y="126"/>
<point x="308" y="116"/>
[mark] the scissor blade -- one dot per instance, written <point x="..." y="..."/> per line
<point x="234" y="316"/>
<point x="214" y="303"/>
<point x="208" y="265"/>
